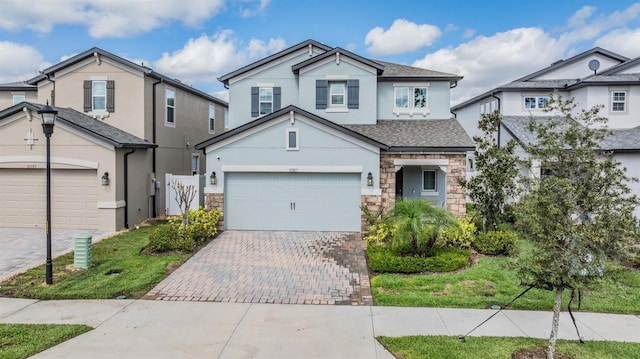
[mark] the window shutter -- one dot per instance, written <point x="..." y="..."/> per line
<point x="254" y="101"/>
<point x="321" y="94"/>
<point x="87" y="96"/>
<point x="276" y="98"/>
<point x="111" y="92"/>
<point x="353" y="93"/>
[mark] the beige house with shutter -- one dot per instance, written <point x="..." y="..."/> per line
<point x="117" y="119"/>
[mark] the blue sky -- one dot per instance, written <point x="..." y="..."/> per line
<point x="489" y="42"/>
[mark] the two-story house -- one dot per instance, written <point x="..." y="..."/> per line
<point x="594" y="77"/>
<point x="317" y="131"/>
<point x="121" y="127"/>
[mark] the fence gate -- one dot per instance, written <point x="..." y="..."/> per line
<point x="171" y="205"/>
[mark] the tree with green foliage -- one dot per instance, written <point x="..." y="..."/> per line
<point x="418" y="224"/>
<point x="578" y="215"/>
<point x="494" y="185"/>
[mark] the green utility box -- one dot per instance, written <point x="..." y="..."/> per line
<point x="82" y="252"/>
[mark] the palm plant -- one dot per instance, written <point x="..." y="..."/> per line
<point x="418" y="224"/>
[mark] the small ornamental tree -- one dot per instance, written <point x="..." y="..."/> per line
<point x="580" y="213"/>
<point x="494" y="185"/>
<point x="184" y="197"/>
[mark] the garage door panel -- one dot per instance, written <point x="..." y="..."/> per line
<point x="293" y="201"/>
<point x="74" y="195"/>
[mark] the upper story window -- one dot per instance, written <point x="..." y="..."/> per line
<point x="226" y="118"/>
<point x="212" y="118"/>
<point x="618" y="101"/>
<point x="170" y="99"/>
<point x="337" y="94"/>
<point x="195" y="163"/>
<point x="99" y="95"/>
<point x="410" y="99"/>
<point x="18" y="97"/>
<point x="489" y="107"/>
<point x="536" y="102"/>
<point x="265" y="99"/>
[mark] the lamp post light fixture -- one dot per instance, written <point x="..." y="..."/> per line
<point x="48" y="115"/>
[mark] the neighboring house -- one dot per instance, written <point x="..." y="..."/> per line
<point x="316" y="132"/>
<point x="16" y="92"/>
<point x="116" y="117"/>
<point x="594" y="77"/>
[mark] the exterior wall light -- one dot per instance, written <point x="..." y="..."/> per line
<point x="105" y="179"/>
<point x="369" y="179"/>
<point x="213" y="179"/>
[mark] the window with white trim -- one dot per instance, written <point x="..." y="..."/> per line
<point x="195" y="163"/>
<point x="170" y="100"/>
<point x="292" y="139"/>
<point x="99" y="95"/>
<point x="429" y="180"/>
<point x="266" y="100"/>
<point x="226" y="118"/>
<point x="618" y="101"/>
<point x="337" y="94"/>
<point x="411" y="97"/>
<point x="489" y="107"/>
<point x="18" y="97"/>
<point x="535" y="102"/>
<point x="212" y="118"/>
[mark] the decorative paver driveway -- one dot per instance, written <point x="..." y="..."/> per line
<point x="273" y="267"/>
<point x="24" y="248"/>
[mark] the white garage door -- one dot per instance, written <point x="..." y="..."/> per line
<point x="292" y="201"/>
<point x="73" y="198"/>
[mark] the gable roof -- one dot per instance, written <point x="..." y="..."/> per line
<point x="620" y="67"/>
<point x="547" y="85"/>
<point x="281" y="112"/>
<point x="225" y="78"/>
<point x="402" y="72"/>
<point x="87" y="124"/>
<point x="97" y="52"/>
<point x="418" y="135"/>
<point x="296" y="68"/>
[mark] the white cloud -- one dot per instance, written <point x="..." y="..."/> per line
<point x="584" y="26"/>
<point x="403" y="36"/>
<point x="623" y="41"/>
<point x="486" y="62"/>
<point x="19" y="62"/>
<point x="104" y="18"/>
<point x="468" y="33"/>
<point x="206" y="58"/>
<point x="249" y="8"/>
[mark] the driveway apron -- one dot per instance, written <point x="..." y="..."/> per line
<point x="273" y="267"/>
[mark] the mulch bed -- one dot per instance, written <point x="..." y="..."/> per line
<point x="540" y="353"/>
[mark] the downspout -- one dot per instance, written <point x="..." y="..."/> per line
<point x="53" y="91"/>
<point x="500" y="126"/>
<point x="154" y="213"/>
<point x="126" y="188"/>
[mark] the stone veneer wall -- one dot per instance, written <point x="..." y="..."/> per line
<point x="456" y="200"/>
<point x="215" y="201"/>
<point x="373" y="203"/>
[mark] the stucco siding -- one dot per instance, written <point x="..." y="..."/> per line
<point x="438" y="100"/>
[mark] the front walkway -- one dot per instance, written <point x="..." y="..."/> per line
<point x="273" y="267"/>
<point x="25" y="248"/>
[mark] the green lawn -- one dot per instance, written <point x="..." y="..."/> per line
<point x="492" y="281"/>
<point x="23" y="340"/>
<point x="436" y="347"/>
<point x="118" y="269"/>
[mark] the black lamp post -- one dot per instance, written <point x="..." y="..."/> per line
<point x="48" y="114"/>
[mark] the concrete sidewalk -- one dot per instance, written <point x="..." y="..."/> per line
<point x="142" y="328"/>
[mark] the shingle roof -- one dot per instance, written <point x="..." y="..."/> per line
<point x="98" y="129"/>
<point x="398" y="71"/>
<point x="619" y="139"/>
<point x="418" y="134"/>
<point x="21" y="86"/>
<point x="379" y="67"/>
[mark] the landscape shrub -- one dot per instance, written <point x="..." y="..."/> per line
<point x="461" y="236"/>
<point x="380" y="233"/>
<point x="383" y="260"/>
<point x="496" y="242"/>
<point x="164" y="238"/>
<point x="202" y="225"/>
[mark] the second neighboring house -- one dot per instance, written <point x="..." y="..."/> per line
<point x="317" y="132"/>
<point x="117" y="119"/>
<point x="594" y="77"/>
